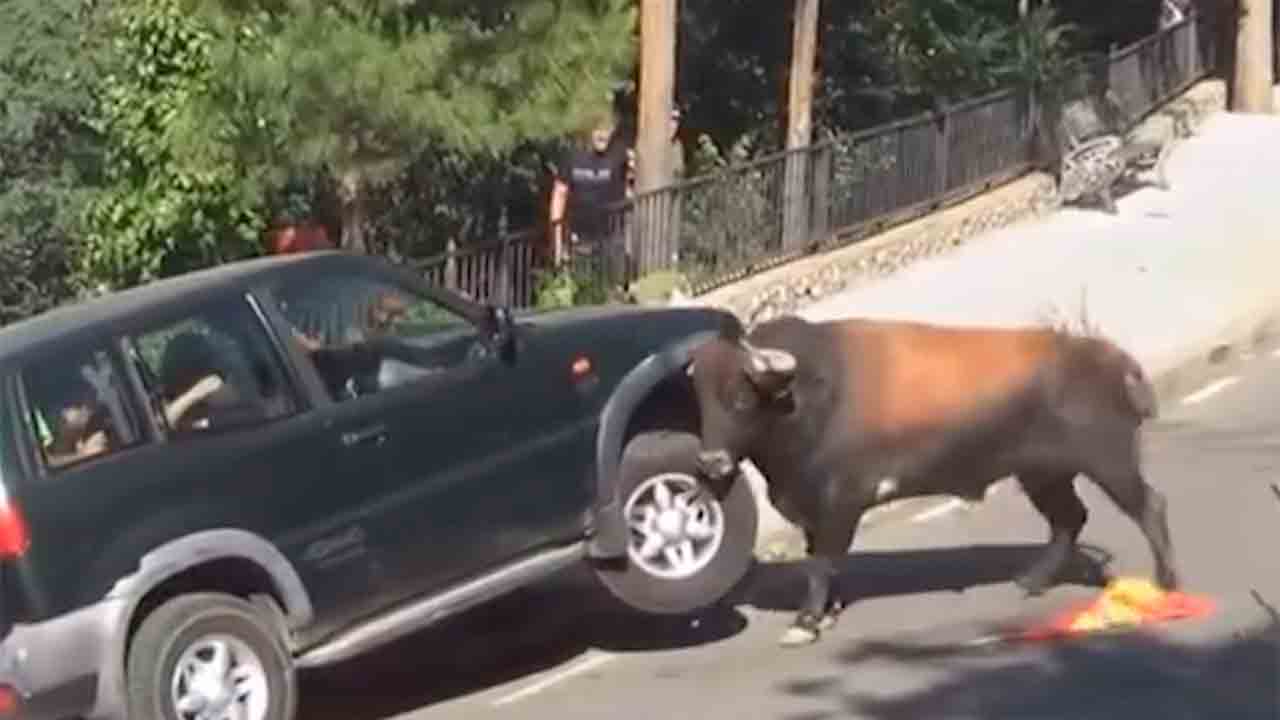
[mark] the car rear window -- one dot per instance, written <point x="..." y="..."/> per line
<point x="79" y="408"/>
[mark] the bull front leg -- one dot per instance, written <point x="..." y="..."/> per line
<point x="827" y="546"/>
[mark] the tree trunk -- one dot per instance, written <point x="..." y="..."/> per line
<point x="804" y="44"/>
<point x="1251" y="74"/>
<point x="353" y="198"/>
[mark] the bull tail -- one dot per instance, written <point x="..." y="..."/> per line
<point x="1140" y="392"/>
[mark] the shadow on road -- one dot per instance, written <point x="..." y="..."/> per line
<point x="516" y="636"/>
<point x="781" y="586"/>
<point x="542" y="628"/>
<point x="1232" y="676"/>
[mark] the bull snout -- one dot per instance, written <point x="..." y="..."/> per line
<point x="716" y="464"/>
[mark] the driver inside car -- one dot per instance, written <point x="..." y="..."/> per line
<point x="355" y="348"/>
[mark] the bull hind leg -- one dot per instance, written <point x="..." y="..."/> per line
<point x="835" y="599"/>
<point x="1147" y="507"/>
<point x="822" y="602"/>
<point x="1054" y="496"/>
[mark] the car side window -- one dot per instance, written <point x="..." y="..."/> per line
<point x="364" y="335"/>
<point x="213" y="370"/>
<point x="79" y="408"/>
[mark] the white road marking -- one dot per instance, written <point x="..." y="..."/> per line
<point x="938" y="510"/>
<point x="1210" y="390"/>
<point x="585" y="665"/>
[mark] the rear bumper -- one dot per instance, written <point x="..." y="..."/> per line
<point x="64" y="667"/>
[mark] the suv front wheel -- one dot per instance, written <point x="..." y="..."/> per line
<point x="209" y="656"/>
<point x="687" y="549"/>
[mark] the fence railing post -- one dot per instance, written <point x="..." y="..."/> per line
<point x="942" y="164"/>
<point x="451" y="264"/>
<point x="1033" y="125"/>
<point x="1192" y="33"/>
<point x="820" y="197"/>
<point x="502" y="285"/>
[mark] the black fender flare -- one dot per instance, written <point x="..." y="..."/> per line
<point x="172" y="558"/>
<point x="609" y="539"/>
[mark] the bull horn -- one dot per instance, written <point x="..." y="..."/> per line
<point x="765" y="360"/>
<point x="778" y="361"/>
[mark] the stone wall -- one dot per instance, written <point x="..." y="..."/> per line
<point x="787" y="288"/>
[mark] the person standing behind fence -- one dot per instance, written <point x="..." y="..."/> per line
<point x="588" y="181"/>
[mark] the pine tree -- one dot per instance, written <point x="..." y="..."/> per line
<point x="358" y="89"/>
<point x="48" y="151"/>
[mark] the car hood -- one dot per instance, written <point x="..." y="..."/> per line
<point x="618" y="336"/>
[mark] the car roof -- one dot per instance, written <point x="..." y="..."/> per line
<point x="127" y="305"/>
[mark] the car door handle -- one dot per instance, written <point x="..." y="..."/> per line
<point x="376" y="434"/>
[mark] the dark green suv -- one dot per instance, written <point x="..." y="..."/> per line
<point x="218" y="478"/>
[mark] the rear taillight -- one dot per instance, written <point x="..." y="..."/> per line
<point x="14" y="538"/>
<point x="10" y="702"/>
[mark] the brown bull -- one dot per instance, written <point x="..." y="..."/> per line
<point x="843" y="416"/>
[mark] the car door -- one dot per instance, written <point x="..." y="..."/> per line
<point x="255" y="453"/>
<point x="457" y="419"/>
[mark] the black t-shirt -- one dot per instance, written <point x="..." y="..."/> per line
<point x="595" y="180"/>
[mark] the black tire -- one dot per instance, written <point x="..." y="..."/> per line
<point x="648" y="455"/>
<point x="174" y="626"/>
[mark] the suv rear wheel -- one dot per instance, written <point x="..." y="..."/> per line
<point x="209" y="656"/>
<point x="687" y="550"/>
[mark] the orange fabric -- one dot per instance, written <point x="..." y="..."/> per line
<point x="300" y="238"/>
<point x="1124" y="603"/>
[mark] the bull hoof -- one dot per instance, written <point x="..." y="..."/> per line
<point x="797" y="636"/>
<point x="832" y="616"/>
<point x="1169" y="580"/>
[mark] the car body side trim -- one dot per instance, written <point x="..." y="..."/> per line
<point x="419" y="614"/>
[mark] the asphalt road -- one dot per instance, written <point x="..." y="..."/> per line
<point x="930" y="584"/>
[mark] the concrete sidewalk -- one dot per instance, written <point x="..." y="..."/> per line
<point x="1173" y="276"/>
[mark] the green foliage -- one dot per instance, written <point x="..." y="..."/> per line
<point x="48" y="152"/>
<point x="145" y="137"/>
<point x="568" y="286"/>
<point x="161" y="214"/>
<point x="734" y="57"/>
<point x="361" y="90"/>
<point x="472" y="198"/>
<point x="658" y="286"/>
<point x="878" y="61"/>
<point x="942" y="50"/>
<point x="1038" y="52"/>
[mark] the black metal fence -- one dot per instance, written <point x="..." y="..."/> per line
<point x="718" y="228"/>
